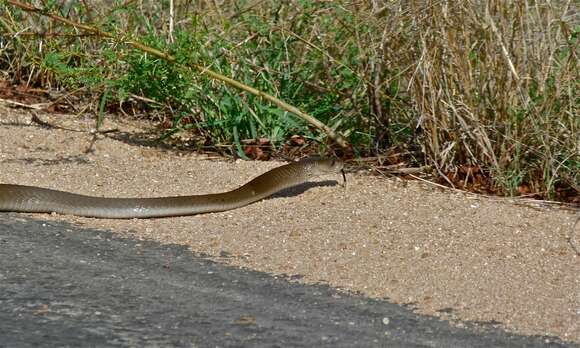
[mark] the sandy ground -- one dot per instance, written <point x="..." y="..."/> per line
<point x="456" y="256"/>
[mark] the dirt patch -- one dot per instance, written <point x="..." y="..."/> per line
<point x="451" y="255"/>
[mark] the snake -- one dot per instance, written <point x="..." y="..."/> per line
<point x="32" y="199"/>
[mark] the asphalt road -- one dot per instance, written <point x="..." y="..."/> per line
<point x="61" y="285"/>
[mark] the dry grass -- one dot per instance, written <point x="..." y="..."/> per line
<point x="495" y="86"/>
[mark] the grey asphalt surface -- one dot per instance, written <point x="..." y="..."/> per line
<point x="61" y="285"/>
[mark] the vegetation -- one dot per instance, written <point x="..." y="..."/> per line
<point x="484" y="92"/>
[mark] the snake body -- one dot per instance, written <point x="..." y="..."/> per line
<point x="29" y="199"/>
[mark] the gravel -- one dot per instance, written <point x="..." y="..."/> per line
<point x="456" y="256"/>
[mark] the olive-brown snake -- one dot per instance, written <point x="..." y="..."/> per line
<point x="18" y="198"/>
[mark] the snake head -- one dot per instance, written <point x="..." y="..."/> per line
<point x="328" y="166"/>
<point x="322" y="166"/>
